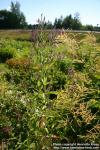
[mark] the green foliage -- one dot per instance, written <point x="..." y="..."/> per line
<point x="16" y="48"/>
<point x="98" y="39"/>
<point x="9" y="21"/>
<point x="59" y="80"/>
<point x="50" y="92"/>
<point x="68" y="22"/>
<point x="89" y="27"/>
<point x="13" y="19"/>
<point x="64" y="65"/>
<point x="15" y="9"/>
<point x="79" y="65"/>
<point x="6" y="54"/>
<point x="13" y="123"/>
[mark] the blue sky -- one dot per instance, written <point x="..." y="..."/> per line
<point x="89" y="9"/>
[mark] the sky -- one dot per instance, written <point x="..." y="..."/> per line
<point x="89" y="10"/>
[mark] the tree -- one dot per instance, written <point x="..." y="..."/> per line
<point x="12" y="19"/>
<point x="8" y="20"/>
<point x="89" y="27"/>
<point x="49" y="25"/>
<point x="76" y="22"/>
<point x="15" y="9"/>
<point x="58" y="23"/>
<point x="22" y="20"/>
<point x="67" y="22"/>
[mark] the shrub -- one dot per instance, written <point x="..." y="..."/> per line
<point x="64" y="65"/>
<point x="78" y="65"/>
<point x="59" y="81"/>
<point x="98" y="40"/>
<point x="19" y="63"/>
<point x="6" y="54"/>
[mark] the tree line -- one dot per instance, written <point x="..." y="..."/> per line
<point x="15" y="19"/>
<point x="12" y="19"/>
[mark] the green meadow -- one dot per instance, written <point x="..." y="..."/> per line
<point x="49" y="89"/>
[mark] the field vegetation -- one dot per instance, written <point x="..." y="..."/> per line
<point x="49" y="89"/>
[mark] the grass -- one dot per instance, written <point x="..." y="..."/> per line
<point x="26" y="34"/>
<point x="49" y="90"/>
<point x="21" y="35"/>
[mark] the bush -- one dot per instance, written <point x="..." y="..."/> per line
<point x="64" y="65"/>
<point x="23" y="63"/>
<point x="78" y="65"/>
<point x="58" y="81"/>
<point x="6" y="54"/>
<point x="98" y="40"/>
